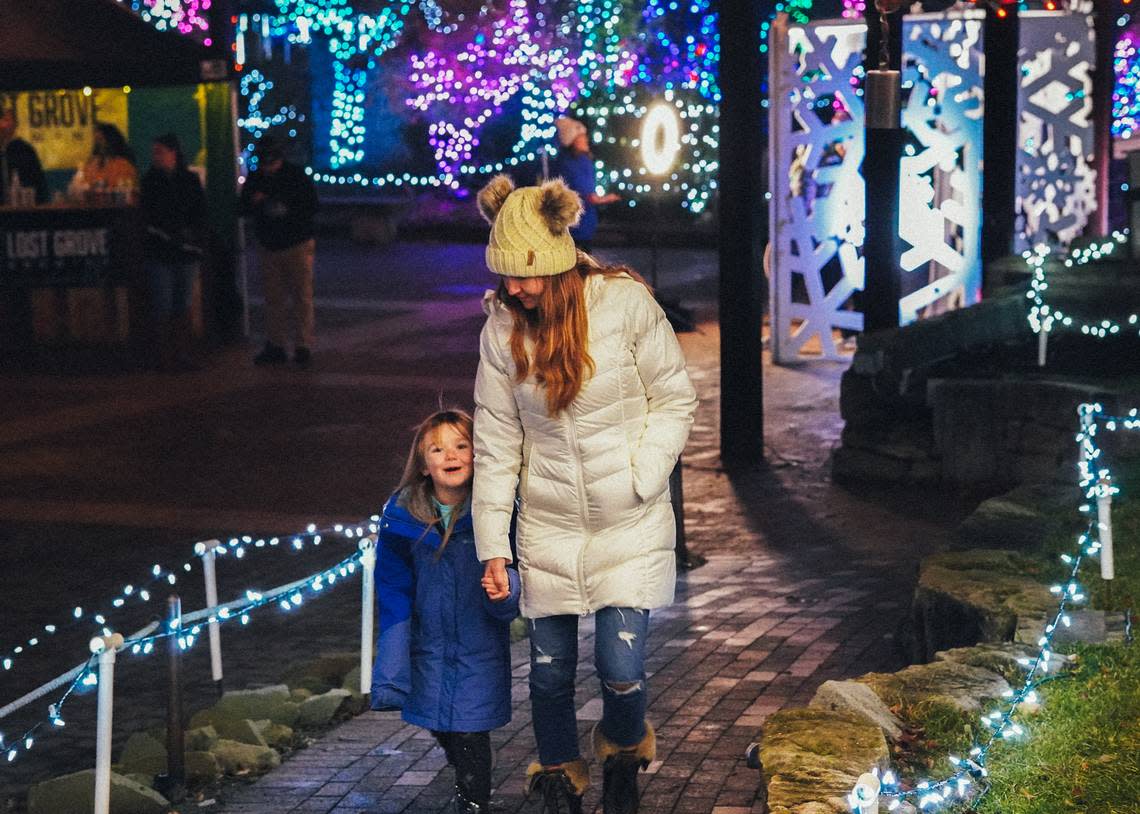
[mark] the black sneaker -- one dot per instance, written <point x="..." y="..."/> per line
<point x="302" y="356"/>
<point x="271" y="355"/>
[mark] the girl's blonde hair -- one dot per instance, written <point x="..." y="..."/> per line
<point x="560" y="330"/>
<point x="415" y="487"/>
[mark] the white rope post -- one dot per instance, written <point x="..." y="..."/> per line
<point x="208" y="552"/>
<point x="865" y="796"/>
<point x="1042" y="346"/>
<point x="1104" y="525"/>
<point x="367" y="611"/>
<point x="104" y="647"/>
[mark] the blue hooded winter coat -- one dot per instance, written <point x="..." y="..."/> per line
<point x="444" y="651"/>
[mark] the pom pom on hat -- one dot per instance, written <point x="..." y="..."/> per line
<point x="568" y="130"/>
<point x="530" y="226"/>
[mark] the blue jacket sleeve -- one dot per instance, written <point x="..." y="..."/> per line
<point x="395" y="588"/>
<point x="505" y="610"/>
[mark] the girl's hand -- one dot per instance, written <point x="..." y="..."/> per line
<point x="495" y="581"/>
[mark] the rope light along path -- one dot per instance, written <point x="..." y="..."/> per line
<point x="971" y="771"/>
<point x="141" y="592"/>
<point x="1044" y="318"/>
<point x="187" y="629"/>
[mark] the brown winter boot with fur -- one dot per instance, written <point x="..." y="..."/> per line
<point x="620" y="765"/>
<point x="561" y="787"/>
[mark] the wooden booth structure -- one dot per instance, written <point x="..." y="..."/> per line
<point x="71" y="266"/>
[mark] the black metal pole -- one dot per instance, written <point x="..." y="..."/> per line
<point x="1104" y="81"/>
<point x="685" y="560"/>
<point x="743" y="227"/>
<point x="884" y="141"/>
<point x="174" y="782"/>
<point x="999" y="132"/>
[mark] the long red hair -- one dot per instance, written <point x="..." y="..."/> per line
<point x="560" y="330"/>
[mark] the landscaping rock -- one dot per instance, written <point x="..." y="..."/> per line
<point x="812" y="757"/>
<point x="983" y="595"/>
<point x="959" y="686"/>
<point x="352" y="681"/>
<point x="202" y="768"/>
<point x="1092" y="627"/>
<point x="273" y="703"/>
<point x="240" y="758"/>
<point x="321" y="674"/>
<point x="143" y="754"/>
<point x="201" y="739"/>
<point x="277" y="736"/>
<point x="243" y="731"/>
<point x="851" y="696"/>
<point x="1020" y="519"/>
<point x="75" y="794"/>
<point x="319" y="710"/>
<point x="997" y="658"/>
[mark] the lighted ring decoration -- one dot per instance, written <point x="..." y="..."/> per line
<point x="660" y="139"/>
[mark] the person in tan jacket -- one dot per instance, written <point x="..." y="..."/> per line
<point x="583" y="405"/>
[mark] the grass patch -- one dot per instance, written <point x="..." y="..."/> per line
<point x="1082" y="750"/>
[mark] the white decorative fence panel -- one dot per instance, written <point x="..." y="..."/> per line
<point x="815" y="127"/>
<point x="941" y="172"/>
<point x="1056" y="178"/>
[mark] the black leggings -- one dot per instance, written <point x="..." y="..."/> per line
<point x="470" y="754"/>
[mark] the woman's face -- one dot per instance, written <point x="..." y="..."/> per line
<point x="527" y="290"/>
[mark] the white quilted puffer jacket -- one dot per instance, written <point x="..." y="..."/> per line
<point x="595" y="526"/>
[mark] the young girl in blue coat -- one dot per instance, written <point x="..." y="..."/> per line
<point x="443" y="656"/>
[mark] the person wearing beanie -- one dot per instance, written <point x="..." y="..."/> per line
<point x="575" y="166"/>
<point x="583" y="406"/>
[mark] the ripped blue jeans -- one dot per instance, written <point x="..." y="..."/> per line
<point x="619" y="653"/>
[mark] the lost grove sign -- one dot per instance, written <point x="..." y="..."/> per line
<point x="54" y="247"/>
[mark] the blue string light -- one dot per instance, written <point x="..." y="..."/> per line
<point x="971" y="771"/>
<point x="1044" y="317"/>
<point x="142" y="591"/>
<point x="287" y="598"/>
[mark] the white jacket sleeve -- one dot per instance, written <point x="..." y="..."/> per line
<point x="672" y="399"/>
<point x="498" y="449"/>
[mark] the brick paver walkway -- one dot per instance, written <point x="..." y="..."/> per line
<point x="745" y="638"/>
<point x="101" y="473"/>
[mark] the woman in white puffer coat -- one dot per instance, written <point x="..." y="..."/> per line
<point x="582" y="407"/>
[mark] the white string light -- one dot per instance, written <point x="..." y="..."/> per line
<point x="971" y="771"/>
<point x="1044" y="317"/>
<point x="186" y="631"/>
<point x="143" y="591"/>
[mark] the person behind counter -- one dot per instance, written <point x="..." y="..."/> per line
<point x="111" y="165"/>
<point x="19" y="163"/>
<point x="173" y="208"/>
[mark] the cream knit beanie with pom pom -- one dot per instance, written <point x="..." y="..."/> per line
<point x="530" y="227"/>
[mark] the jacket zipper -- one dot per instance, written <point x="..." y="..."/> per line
<point x="582" y="508"/>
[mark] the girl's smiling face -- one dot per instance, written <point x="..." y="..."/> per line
<point x="448" y="460"/>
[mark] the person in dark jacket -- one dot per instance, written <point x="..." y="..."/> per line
<point x="173" y="208"/>
<point x="282" y="200"/>
<point x="19" y="163"/>
<point x="443" y="656"/>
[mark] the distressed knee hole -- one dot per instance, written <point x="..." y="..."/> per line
<point x="623" y="687"/>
